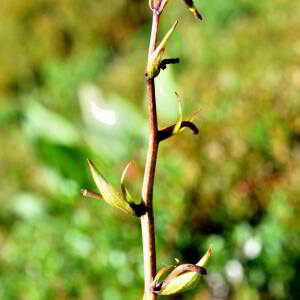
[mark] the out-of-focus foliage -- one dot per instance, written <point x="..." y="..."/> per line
<point x="72" y="87"/>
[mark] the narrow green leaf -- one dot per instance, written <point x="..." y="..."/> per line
<point x="178" y="124"/>
<point x="125" y="193"/>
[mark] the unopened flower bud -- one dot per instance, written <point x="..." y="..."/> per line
<point x="182" y="278"/>
<point x="154" y="61"/>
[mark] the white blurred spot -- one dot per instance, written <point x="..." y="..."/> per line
<point x="91" y="101"/>
<point x="107" y="117"/>
<point x="234" y="271"/>
<point x="252" y="248"/>
<point x="28" y="206"/>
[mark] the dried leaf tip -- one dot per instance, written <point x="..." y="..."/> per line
<point x="90" y="194"/>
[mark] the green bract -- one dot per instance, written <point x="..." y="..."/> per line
<point x="108" y="192"/>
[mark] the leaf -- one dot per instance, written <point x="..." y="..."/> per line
<point x="108" y="192"/>
<point x="125" y="193"/>
<point x="178" y="124"/>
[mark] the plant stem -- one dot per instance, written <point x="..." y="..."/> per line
<point x="147" y="220"/>
<point x="154" y="32"/>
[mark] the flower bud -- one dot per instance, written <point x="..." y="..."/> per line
<point x="153" y="66"/>
<point x="182" y="278"/>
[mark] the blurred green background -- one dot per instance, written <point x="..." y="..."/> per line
<point x="72" y="87"/>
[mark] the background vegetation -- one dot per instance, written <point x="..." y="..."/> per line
<point x="72" y="87"/>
